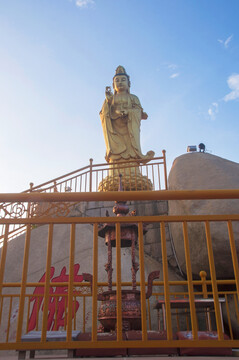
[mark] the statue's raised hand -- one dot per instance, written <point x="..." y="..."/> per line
<point x="108" y="93"/>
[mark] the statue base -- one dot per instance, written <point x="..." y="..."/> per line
<point x="133" y="182"/>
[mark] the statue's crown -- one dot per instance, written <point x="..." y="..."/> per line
<point x="120" y="71"/>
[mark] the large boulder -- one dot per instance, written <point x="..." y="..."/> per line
<point x="198" y="171"/>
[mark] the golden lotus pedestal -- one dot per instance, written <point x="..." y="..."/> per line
<point x="129" y="183"/>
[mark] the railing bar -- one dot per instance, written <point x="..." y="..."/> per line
<point x="228" y="318"/>
<point x="149" y="315"/>
<point x="37" y="319"/>
<point x="83" y="314"/>
<point x="118" y="282"/>
<point x="177" y="319"/>
<point x="190" y="284"/>
<point x="96" y="182"/>
<point x="3" y="257"/>
<point x="9" y="319"/>
<point x="130" y="195"/>
<point x="141" y="168"/>
<point x="70" y="283"/>
<point x="130" y="178"/>
<point x="80" y="182"/>
<point x="47" y="283"/>
<point x="147" y="174"/>
<point x="86" y="182"/>
<point x="135" y="176"/>
<point x="203" y="276"/>
<point x="56" y="309"/>
<point x="142" y="282"/>
<point x="94" y="284"/>
<point x="90" y="174"/>
<point x="126" y="162"/>
<point x="108" y="173"/>
<point x="234" y="254"/>
<point x="23" y="283"/>
<point x="1" y="307"/>
<point x="28" y="314"/>
<point x="76" y="183"/>
<point x="159" y="178"/>
<point x="214" y="281"/>
<point x="165" y="170"/>
<point x="66" y="312"/>
<point x="74" y="311"/>
<point x="236" y="306"/>
<point x="166" y="283"/>
<point x="124" y="181"/>
<point x="102" y="175"/>
<point x="153" y="176"/>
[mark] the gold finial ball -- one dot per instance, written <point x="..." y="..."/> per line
<point x="203" y="274"/>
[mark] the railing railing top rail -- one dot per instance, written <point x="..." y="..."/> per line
<point x="121" y="196"/>
<point x="101" y="170"/>
<point x="91" y="178"/>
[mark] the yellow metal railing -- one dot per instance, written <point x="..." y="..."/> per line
<point x="88" y="179"/>
<point x="81" y="322"/>
<point x="207" y="287"/>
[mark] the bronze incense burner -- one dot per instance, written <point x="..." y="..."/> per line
<point x="131" y="305"/>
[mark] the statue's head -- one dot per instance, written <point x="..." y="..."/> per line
<point x="122" y="78"/>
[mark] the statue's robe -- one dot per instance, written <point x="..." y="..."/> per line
<point x="122" y="135"/>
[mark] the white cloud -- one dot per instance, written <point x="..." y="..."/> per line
<point x="213" y="110"/>
<point x="172" y="66"/>
<point x="233" y="83"/>
<point x="84" y="3"/>
<point x="173" y="76"/>
<point x="226" y="42"/>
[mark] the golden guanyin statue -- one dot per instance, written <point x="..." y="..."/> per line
<point x="121" y="116"/>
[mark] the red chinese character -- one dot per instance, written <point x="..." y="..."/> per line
<point x="57" y="307"/>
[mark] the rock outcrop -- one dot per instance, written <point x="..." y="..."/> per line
<point x="198" y="171"/>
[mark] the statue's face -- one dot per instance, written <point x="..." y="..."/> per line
<point x="121" y="83"/>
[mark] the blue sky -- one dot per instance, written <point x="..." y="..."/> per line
<point x="57" y="56"/>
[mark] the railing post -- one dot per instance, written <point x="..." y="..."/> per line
<point x="214" y="281"/>
<point x="29" y="208"/>
<point x="165" y="169"/>
<point x="142" y="282"/>
<point x="118" y="283"/>
<point x="91" y="162"/>
<point x="55" y="187"/>
<point x="190" y="282"/>
<point x="166" y="282"/>
<point x="23" y="283"/>
<point x="95" y="283"/>
<point x="203" y="276"/>
<point x="234" y="254"/>
<point x="3" y="263"/>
